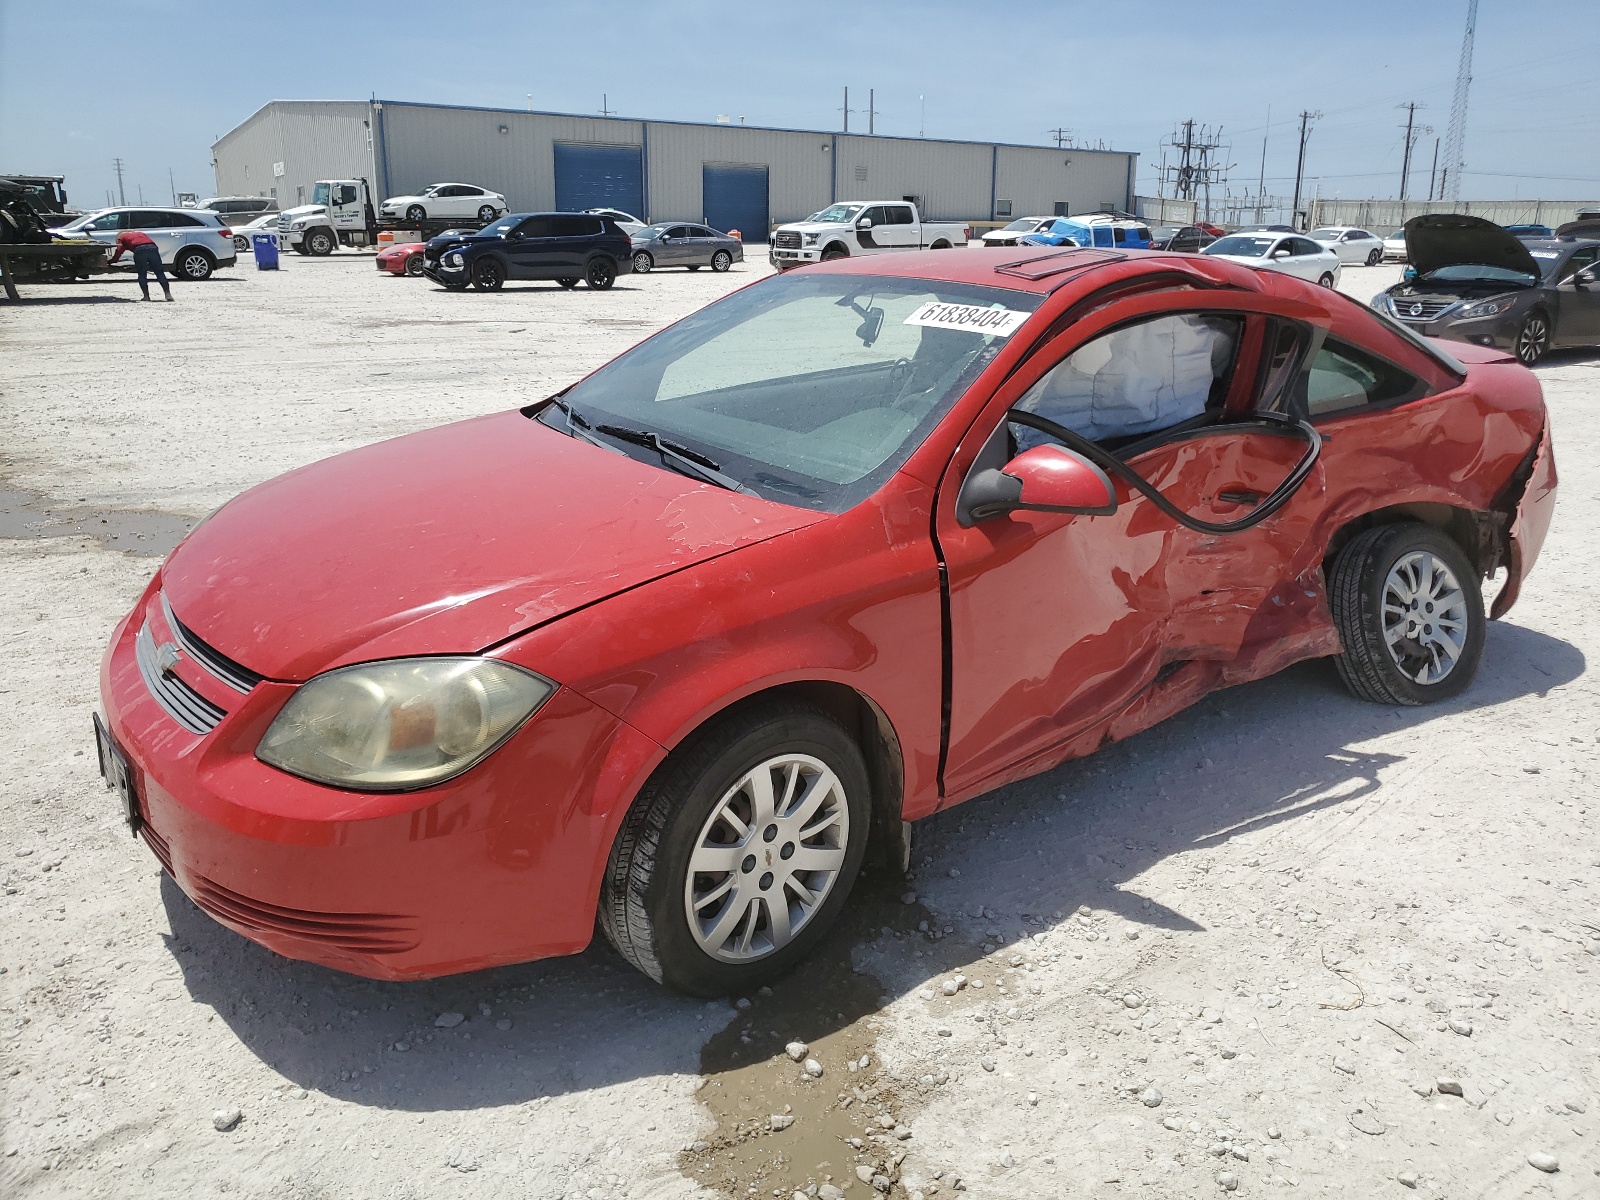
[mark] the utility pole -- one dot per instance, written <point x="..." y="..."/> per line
<point x="872" y="111"/>
<point x="922" y="118"/>
<point x="1261" y="183"/>
<point x="1061" y="135"/>
<point x="122" y="196"/>
<point x="1455" y="137"/>
<point x="1433" y="172"/>
<point x="847" y="110"/>
<point x="1306" y="118"/>
<point x="605" y="106"/>
<point x="1198" y="169"/>
<point x="172" y="185"/>
<point x="1413" y="132"/>
<point x="530" y="101"/>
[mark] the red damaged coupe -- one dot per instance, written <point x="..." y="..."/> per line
<point x="677" y="646"/>
<point x="402" y="258"/>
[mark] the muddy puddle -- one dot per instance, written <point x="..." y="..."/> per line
<point x="856" y="1114"/>
<point x="144" y="533"/>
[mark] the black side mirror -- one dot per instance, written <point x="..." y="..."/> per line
<point x="1585" y="278"/>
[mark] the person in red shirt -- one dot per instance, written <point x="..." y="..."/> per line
<point x="146" y="258"/>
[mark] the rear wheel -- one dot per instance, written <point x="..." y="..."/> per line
<point x="602" y="273"/>
<point x="941" y="244"/>
<point x="721" y="261"/>
<point x="193" y="264"/>
<point x="1410" y="615"/>
<point x="241" y="243"/>
<point x="739" y="852"/>
<point x="642" y="262"/>
<point x="1533" y="339"/>
<point x="488" y="274"/>
<point x="487" y="213"/>
<point x="416" y="213"/>
<point x="414" y="265"/>
<point x="1375" y="257"/>
<point x="320" y="242"/>
<point x="1326" y="280"/>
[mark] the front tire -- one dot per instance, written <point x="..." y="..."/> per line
<point x="320" y="242"/>
<point x="414" y="265"/>
<point x="488" y="275"/>
<point x="1533" y="339"/>
<point x="1410" y="615"/>
<point x="642" y="262"/>
<point x="416" y="213"/>
<point x="192" y="264"/>
<point x="602" y="273"/>
<point x="740" y="851"/>
<point x="721" y="261"/>
<point x="833" y="252"/>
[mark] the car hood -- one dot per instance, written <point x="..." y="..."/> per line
<point x="447" y="541"/>
<point x="814" y="226"/>
<point x="1450" y="239"/>
<point x="438" y="245"/>
<point x="304" y="210"/>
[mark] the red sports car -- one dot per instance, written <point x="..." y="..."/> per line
<point x="679" y="645"/>
<point x="402" y="258"/>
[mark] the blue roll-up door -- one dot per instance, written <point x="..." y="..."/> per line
<point x="595" y="176"/>
<point x="735" y="197"/>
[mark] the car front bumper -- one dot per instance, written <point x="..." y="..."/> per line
<point x="1498" y="331"/>
<point x="500" y="865"/>
<point x="793" y="258"/>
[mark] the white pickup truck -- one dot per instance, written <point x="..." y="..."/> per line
<point x="861" y="227"/>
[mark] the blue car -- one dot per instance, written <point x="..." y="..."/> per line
<point x="1529" y="231"/>
<point x="1065" y="231"/>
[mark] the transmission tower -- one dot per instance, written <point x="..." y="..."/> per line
<point x="1198" y="150"/>
<point x="1455" y="137"/>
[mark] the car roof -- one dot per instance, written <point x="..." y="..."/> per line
<point x="1038" y="269"/>
<point x="1555" y="243"/>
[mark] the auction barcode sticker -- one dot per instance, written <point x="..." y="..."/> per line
<point x="974" y="318"/>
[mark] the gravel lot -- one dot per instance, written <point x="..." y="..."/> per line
<point x="1286" y="943"/>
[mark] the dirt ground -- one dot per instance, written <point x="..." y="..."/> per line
<point x="1286" y="943"/>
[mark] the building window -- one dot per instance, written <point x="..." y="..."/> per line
<point x="1002" y="208"/>
<point x="1061" y="208"/>
<point x="861" y="174"/>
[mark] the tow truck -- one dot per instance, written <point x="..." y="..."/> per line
<point x="342" y="213"/>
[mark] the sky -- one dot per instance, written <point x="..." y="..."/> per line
<point x="155" y="82"/>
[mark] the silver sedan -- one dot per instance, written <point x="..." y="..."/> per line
<point x="675" y="245"/>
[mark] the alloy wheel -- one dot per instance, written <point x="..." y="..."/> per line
<point x="1533" y="339"/>
<point x="642" y="262"/>
<point x="1424" y="617"/>
<point x="721" y="260"/>
<point x="767" y="858"/>
<point x="486" y="213"/>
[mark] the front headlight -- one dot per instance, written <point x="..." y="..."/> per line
<point x="1383" y="303"/>
<point x="812" y="238"/>
<point x="301" y="224"/>
<point x="454" y="259"/>
<point x="408" y="723"/>
<point x="1486" y="308"/>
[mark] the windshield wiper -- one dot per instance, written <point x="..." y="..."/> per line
<point x="578" y="426"/>
<point x="689" y="462"/>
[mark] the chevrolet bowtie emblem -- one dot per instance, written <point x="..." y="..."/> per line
<point x="167" y="658"/>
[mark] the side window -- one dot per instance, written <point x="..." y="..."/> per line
<point x="876" y="215"/>
<point x="1119" y="235"/>
<point x="700" y="231"/>
<point x="1579" y="260"/>
<point x="1306" y="246"/>
<point x="114" y="220"/>
<point x="1341" y="377"/>
<point x="678" y="231"/>
<point x="1138" y="379"/>
<point x="464" y="190"/>
<point x="536" y="227"/>
<point x="150" y="220"/>
<point x="346" y="194"/>
<point x="900" y="214"/>
<point x="182" y="220"/>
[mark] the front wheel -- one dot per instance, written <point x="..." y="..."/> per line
<point x="834" y="252"/>
<point x="601" y="274"/>
<point x="1374" y="258"/>
<point x="416" y="214"/>
<point x="739" y="852"/>
<point x="1326" y="280"/>
<point x="642" y="262"/>
<point x="721" y="261"/>
<point x="1410" y="615"/>
<point x="414" y="265"/>
<point x="1533" y="339"/>
<point x="320" y="242"/>
<point x="488" y="275"/>
<point x="192" y="264"/>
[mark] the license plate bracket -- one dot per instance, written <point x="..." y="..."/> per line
<point x="118" y="775"/>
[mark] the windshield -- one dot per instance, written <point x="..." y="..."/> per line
<point x="837" y="214"/>
<point x="1025" y="223"/>
<point x="810" y="391"/>
<point x="504" y="225"/>
<point x="1244" y="247"/>
<point x="78" y="223"/>
<point x="1479" y="273"/>
<point x="320" y="193"/>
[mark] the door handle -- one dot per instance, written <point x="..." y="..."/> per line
<point x="1239" y="496"/>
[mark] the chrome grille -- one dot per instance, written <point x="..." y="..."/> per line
<point x="240" y="679"/>
<point x="1421" y="308"/>
<point x="786" y="241"/>
<point x="183" y="704"/>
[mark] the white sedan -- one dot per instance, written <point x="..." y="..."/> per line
<point x="265" y="223"/>
<point x="1352" y="245"/>
<point x="1287" y="252"/>
<point x="446" y="201"/>
<point x="626" y="222"/>
<point x="1394" y="246"/>
<point x="1017" y="229"/>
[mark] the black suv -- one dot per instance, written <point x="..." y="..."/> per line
<point x="565" y="247"/>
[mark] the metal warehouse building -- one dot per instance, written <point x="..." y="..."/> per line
<point x="729" y="176"/>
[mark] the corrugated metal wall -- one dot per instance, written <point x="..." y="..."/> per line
<point x="313" y="139"/>
<point x="513" y="152"/>
<point x="1385" y="216"/>
<point x="1036" y="179"/>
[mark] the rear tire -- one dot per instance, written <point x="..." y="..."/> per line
<point x="414" y="265"/>
<point x="601" y="274"/>
<point x="487" y="213"/>
<point x="488" y="275"/>
<point x="941" y="244"/>
<point x="192" y="264"/>
<point x="1326" y="280"/>
<point x="721" y="261"/>
<point x="1374" y="258"/>
<point x="642" y="262"/>
<point x="1533" y="338"/>
<point x="717" y="931"/>
<point x="1409" y="611"/>
<point x="241" y="244"/>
